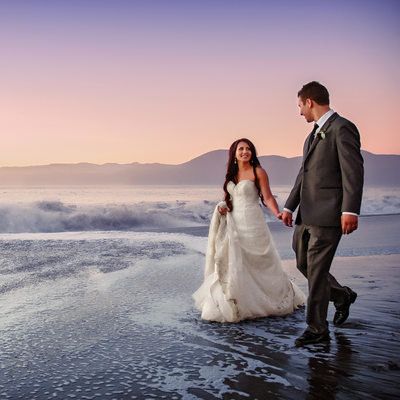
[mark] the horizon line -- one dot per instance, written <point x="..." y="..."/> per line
<point x="156" y="162"/>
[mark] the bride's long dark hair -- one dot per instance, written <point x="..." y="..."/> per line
<point x="232" y="170"/>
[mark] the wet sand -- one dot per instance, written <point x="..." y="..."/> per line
<point x="135" y="334"/>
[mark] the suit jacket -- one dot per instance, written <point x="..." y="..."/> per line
<point x="331" y="176"/>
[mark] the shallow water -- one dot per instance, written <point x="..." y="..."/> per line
<point x="109" y="315"/>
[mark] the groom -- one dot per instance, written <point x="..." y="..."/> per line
<point x="328" y="191"/>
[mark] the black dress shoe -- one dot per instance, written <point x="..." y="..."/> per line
<point x="343" y="311"/>
<point x="310" y="338"/>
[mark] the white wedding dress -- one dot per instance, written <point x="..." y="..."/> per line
<point x="243" y="276"/>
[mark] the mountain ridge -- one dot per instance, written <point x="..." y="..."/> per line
<point x="205" y="169"/>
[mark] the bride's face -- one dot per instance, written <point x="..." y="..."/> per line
<point x="243" y="152"/>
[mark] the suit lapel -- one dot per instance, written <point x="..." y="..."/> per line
<point x="309" y="148"/>
<point x="324" y="128"/>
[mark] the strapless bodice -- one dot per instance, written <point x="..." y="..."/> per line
<point x="244" y="193"/>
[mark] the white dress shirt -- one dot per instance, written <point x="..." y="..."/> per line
<point x="323" y="119"/>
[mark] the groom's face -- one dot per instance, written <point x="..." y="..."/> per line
<point x="305" y="109"/>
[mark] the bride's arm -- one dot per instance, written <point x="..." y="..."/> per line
<point x="269" y="198"/>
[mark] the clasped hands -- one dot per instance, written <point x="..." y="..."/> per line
<point x="349" y="221"/>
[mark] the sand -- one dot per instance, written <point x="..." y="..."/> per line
<point x="135" y="334"/>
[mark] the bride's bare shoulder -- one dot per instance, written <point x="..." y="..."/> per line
<point x="261" y="173"/>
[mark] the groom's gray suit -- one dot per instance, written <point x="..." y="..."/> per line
<point x="329" y="182"/>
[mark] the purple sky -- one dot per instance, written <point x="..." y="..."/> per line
<point x="165" y="81"/>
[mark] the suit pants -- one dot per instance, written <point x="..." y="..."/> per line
<point x="315" y="247"/>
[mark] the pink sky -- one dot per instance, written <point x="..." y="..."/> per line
<point x="167" y="81"/>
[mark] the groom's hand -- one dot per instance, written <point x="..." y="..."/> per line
<point x="349" y="223"/>
<point x="287" y="218"/>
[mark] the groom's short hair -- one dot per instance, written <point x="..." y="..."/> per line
<point x="314" y="91"/>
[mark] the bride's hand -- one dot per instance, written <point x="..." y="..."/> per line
<point x="222" y="208"/>
<point x="279" y="215"/>
<point x="222" y="211"/>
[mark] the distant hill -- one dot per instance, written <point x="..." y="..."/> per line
<point x="207" y="169"/>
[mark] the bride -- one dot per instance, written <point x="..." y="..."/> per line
<point x="243" y="277"/>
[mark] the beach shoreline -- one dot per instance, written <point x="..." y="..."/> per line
<point x="112" y="317"/>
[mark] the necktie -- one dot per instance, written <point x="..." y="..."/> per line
<point x="313" y="134"/>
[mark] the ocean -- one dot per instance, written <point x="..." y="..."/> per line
<point x="135" y="208"/>
<point x="95" y="293"/>
<point x="52" y="232"/>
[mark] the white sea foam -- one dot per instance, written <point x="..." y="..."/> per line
<point x="136" y="208"/>
<point x="55" y="216"/>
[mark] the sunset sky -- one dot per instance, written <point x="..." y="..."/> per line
<point x="165" y="80"/>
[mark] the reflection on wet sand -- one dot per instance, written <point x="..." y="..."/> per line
<point x="329" y="367"/>
<point x="112" y="326"/>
